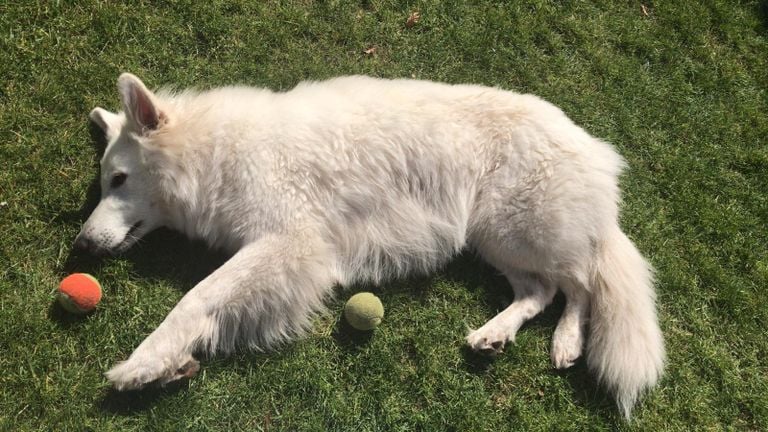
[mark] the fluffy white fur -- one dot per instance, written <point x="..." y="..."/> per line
<point x="362" y="179"/>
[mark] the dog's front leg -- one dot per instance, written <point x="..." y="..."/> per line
<point x="265" y="294"/>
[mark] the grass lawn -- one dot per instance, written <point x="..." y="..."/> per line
<point x="679" y="87"/>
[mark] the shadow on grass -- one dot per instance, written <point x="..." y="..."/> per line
<point x="162" y="254"/>
<point x="93" y="193"/>
<point x="135" y="401"/>
<point x="476" y="363"/>
<point x="168" y="255"/>
<point x="762" y="12"/>
<point x="585" y="390"/>
<point x="494" y="290"/>
<point x="78" y="261"/>
<point x="348" y="337"/>
<point x="65" y="319"/>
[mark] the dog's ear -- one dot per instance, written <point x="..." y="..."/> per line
<point x="140" y="104"/>
<point x="109" y="122"/>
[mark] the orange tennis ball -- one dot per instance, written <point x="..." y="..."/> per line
<point x="79" y="293"/>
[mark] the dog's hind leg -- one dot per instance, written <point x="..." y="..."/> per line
<point x="568" y="340"/>
<point x="532" y="295"/>
<point x="264" y="295"/>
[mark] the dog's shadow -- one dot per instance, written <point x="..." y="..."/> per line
<point x="136" y="401"/>
<point x="93" y="192"/>
<point x="587" y="393"/>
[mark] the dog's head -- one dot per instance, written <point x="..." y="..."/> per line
<point x="130" y="203"/>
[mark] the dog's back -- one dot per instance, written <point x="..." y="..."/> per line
<point x="398" y="172"/>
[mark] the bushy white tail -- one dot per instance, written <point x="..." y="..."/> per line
<point x="625" y="349"/>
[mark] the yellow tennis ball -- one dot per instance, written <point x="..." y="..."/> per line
<point x="364" y="311"/>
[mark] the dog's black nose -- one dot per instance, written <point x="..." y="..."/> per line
<point x="85" y="244"/>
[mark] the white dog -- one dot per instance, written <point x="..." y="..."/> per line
<point x="362" y="179"/>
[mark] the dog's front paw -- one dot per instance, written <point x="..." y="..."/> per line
<point x="136" y="373"/>
<point x="488" y="339"/>
<point x="133" y="375"/>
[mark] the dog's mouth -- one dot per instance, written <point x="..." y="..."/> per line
<point x="134" y="228"/>
<point x="131" y="237"/>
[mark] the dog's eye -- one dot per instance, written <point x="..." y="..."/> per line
<point x="117" y="180"/>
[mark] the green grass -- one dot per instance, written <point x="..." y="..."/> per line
<point x="681" y="92"/>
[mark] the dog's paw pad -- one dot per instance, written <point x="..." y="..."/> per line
<point x="188" y="370"/>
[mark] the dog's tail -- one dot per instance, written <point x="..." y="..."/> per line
<point x="625" y="348"/>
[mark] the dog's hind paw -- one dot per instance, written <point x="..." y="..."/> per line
<point x="566" y="347"/>
<point x="134" y="374"/>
